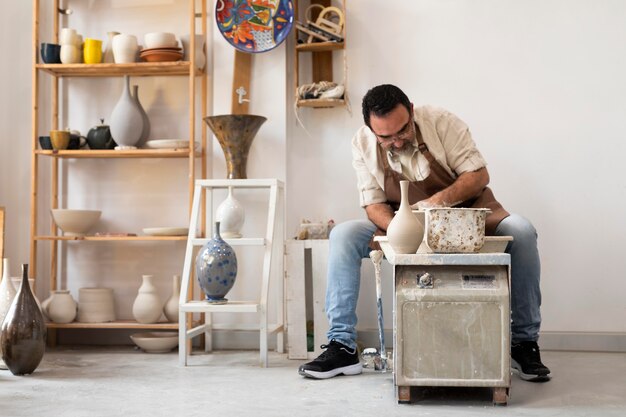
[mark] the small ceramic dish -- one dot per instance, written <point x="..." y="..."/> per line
<point x="161" y="56"/>
<point x="155" y="342"/>
<point x="168" y="144"/>
<point x="166" y="231"/>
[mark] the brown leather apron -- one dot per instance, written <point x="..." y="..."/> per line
<point x="437" y="180"/>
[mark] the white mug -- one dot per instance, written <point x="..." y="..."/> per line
<point x="125" y="48"/>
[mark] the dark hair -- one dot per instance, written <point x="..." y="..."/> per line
<point x="381" y="100"/>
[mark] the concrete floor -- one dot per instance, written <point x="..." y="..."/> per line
<point x="126" y="382"/>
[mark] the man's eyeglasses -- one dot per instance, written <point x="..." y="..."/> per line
<point x="402" y="134"/>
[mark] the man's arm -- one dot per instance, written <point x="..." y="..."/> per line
<point x="467" y="185"/>
<point x="380" y="214"/>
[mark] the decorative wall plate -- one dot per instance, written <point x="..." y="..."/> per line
<point x="254" y="25"/>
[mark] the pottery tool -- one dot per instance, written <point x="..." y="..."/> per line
<point x="377" y="256"/>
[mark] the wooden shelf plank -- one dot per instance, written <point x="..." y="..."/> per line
<point x="250" y="241"/>
<point x="118" y="70"/>
<point x="114" y="238"/>
<point x="129" y="153"/>
<point x="319" y="46"/>
<point x="118" y="324"/>
<point x="322" y="103"/>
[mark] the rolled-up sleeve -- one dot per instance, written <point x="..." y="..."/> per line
<point x="370" y="192"/>
<point x="460" y="149"/>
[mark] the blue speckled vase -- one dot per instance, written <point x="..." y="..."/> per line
<point x="216" y="268"/>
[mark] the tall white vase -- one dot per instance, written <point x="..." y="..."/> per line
<point x="126" y="121"/>
<point x="171" y="306"/>
<point x="145" y="131"/>
<point x="7" y="294"/>
<point x="107" y="56"/>
<point x="148" y="306"/>
<point x="405" y="233"/>
<point x="231" y="215"/>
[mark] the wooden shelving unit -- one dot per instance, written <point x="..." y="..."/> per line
<point x="69" y="71"/>
<point x="321" y="59"/>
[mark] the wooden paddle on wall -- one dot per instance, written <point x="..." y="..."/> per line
<point x="242" y="73"/>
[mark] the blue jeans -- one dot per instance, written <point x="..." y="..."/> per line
<point x="349" y="245"/>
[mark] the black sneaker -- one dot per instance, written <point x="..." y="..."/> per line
<point x="337" y="359"/>
<point x="526" y="362"/>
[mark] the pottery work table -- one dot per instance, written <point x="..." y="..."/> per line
<point x="451" y="321"/>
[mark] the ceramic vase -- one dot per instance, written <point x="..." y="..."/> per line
<point x="200" y="56"/>
<point x="7" y="294"/>
<point x="23" y="334"/>
<point x="61" y="308"/>
<point x="145" y="131"/>
<point x="216" y="268"/>
<point x="231" y="215"/>
<point x="126" y="121"/>
<point x="171" y="305"/>
<point x="235" y="133"/>
<point x="147" y="307"/>
<point x="107" y="56"/>
<point x="405" y="233"/>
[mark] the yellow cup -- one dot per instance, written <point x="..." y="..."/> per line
<point x="92" y="51"/>
<point x="60" y="139"/>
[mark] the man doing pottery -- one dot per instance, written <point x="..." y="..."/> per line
<point x="434" y="151"/>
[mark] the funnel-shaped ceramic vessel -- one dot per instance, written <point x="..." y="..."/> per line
<point x="235" y="133"/>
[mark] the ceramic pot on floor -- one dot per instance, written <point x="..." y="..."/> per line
<point x="23" y="333"/>
<point x="7" y="294"/>
<point x="148" y="306"/>
<point x="231" y="215"/>
<point x="405" y="233"/>
<point x="216" y="268"/>
<point x="171" y="305"/>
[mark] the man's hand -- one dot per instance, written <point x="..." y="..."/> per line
<point x="467" y="185"/>
<point x="428" y="203"/>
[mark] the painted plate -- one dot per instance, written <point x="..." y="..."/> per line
<point x="254" y="25"/>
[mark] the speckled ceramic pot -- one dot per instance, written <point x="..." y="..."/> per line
<point x="216" y="268"/>
<point x="23" y="334"/>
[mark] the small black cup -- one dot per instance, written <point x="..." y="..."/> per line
<point x="44" y="142"/>
<point x="74" y="142"/>
<point x="51" y="53"/>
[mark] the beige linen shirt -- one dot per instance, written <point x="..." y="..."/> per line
<point x="447" y="137"/>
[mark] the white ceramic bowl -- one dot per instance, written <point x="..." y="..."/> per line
<point x="156" y="342"/>
<point x="75" y="222"/>
<point x="160" y="40"/>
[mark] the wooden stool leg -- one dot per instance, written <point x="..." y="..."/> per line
<point x="500" y="395"/>
<point x="404" y="394"/>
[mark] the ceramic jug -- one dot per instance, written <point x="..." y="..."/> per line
<point x="23" y="333"/>
<point x="216" y="268"/>
<point x="126" y="121"/>
<point x="171" y="306"/>
<point x="405" y="233"/>
<point x="231" y="215"/>
<point x="148" y="306"/>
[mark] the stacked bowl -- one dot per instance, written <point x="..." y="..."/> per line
<point x="160" y="47"/>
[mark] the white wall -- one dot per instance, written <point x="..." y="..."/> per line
<point x="540" y="83"/>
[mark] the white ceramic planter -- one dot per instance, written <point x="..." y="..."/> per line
<point x="125" y="48"/>
<point x="95" y="305"/>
